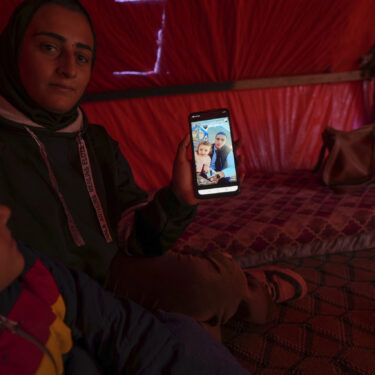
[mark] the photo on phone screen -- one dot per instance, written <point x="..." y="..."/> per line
<point x="215" y="170"/>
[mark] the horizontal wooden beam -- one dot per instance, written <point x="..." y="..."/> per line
<point x="158" y="91"/>
<point x="312" y="79"/>
<point x="247" y="84"/>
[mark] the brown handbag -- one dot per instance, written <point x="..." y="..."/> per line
<point x="350" y="161"/>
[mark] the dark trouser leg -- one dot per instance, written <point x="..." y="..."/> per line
<point x="208" y="287"/>
<point x="206" y="356"/>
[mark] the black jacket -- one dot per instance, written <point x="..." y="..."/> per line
<point x="38" y="217"/>
<point x="221" y="157"/>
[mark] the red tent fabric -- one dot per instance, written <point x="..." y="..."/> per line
<point x="159" y="43"/>
<point x="280" y="128"/>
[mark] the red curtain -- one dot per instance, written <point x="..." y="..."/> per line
<point x="280" y="127"/>
<point x="202" y="41"/>
<point x="212" y="41"/>
<point x="150" y="43"/>
<point x="155" y="43"/>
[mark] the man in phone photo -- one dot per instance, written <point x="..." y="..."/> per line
<point x="222" y="159"/>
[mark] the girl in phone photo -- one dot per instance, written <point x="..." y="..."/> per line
<point x="202" y="158"/>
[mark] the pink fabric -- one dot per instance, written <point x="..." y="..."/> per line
<point x="202" y="163"/>
<point x="13" y="114"/>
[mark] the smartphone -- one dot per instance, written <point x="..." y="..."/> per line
<point x="214" y="166"/>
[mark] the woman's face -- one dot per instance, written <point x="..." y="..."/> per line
<point x="203" y="150"/>
<point x="220" y="140"/>
<point x="55" y="58"/>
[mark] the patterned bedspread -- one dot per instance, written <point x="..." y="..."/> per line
<point x="279" y="216"/>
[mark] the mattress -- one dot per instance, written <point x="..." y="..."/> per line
<point x="281" y="216"/>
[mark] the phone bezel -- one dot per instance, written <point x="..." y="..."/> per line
<point x="207" y="115"/>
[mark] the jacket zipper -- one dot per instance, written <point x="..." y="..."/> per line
<point x="14" y="327"/>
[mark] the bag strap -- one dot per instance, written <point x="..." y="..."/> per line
<point x="326" y="136"/>
<point x="320" y="158"/>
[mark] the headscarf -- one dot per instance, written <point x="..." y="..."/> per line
<point x="11" y="87"/>
<point x="220" y="133"/>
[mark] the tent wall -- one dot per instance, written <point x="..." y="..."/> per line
<point x="162" y="43"/>
<point x="280" y="127"/>
<point x="158" y="43"/>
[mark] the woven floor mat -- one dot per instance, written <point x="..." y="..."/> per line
<point x="330" y="331"/>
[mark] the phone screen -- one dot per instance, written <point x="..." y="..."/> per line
<point x="214" y="165"/>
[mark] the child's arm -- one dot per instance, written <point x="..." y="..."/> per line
<point x="121" y="336"/>
<point x="124" y="338"/>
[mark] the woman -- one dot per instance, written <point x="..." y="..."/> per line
<point x="69" y="187"/>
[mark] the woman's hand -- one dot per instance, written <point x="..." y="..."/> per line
<point x="182" y="180"/>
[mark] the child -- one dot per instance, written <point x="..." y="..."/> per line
<point x="57" y="321"/>
<point x="202" y="159"/>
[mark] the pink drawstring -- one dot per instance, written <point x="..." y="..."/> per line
<point x="77" y="238"/>
<point x="87" y="173"/>
<point x="89" y="180"/>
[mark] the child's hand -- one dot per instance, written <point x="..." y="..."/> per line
<point x="218" y="175"/>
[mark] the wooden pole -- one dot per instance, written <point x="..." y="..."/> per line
<point x="246" y="84"/>
<point x="312" y="79"/>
